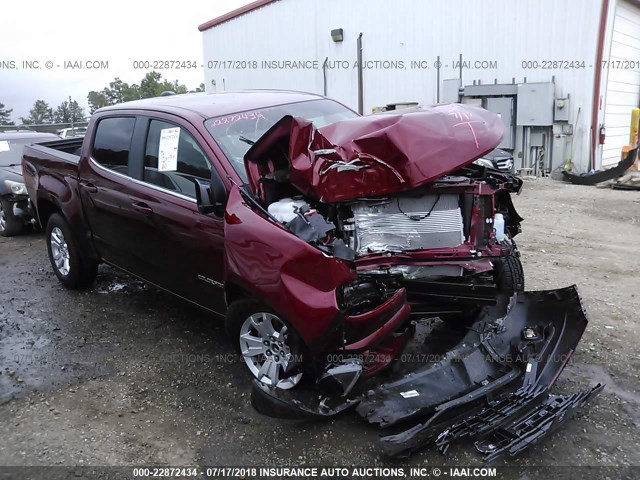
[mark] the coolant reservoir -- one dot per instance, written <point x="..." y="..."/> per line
<point x="498" y="226"/>
<point x="284" y="210"/>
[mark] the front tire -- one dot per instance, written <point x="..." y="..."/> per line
<point x="74" y="270"/>
<point x="9" y="224"/>
<point x="270" y="347"/>
<point x="509" y="273"/>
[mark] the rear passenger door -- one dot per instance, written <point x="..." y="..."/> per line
<point x="106" y="190"/>
<point x="183" y="247"/>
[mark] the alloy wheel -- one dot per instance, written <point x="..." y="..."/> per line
<point x="266" y="346"/>
<point x="3" y="219"/>
<point x="60" y="251"/>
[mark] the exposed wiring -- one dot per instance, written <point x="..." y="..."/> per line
<point x="417" y="218"/>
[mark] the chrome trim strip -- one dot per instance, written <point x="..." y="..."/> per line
<point x="140" y="182"/>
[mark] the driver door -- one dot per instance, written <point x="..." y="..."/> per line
<point x="182" y="248"/>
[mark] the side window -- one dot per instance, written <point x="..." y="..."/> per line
<point x="112" y="143"/>
<point x="172" y="158"/>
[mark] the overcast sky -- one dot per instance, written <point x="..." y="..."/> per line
<point x="116" y="31"/>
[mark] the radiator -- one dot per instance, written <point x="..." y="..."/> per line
<point x="388" y="226"/>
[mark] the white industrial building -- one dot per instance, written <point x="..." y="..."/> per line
<point x="564" y="75"/>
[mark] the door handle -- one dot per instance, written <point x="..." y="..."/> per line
<point x="142" y="208"/>
<point x="89" y="187"/>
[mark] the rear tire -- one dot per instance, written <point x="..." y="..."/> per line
<point x="74" y="270"/>
<point x="9" y="224"/>
<point x="509" y="273"/>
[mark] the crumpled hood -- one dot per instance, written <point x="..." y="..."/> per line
<point x="373" y="155"/>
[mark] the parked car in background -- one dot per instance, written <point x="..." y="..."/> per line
<point x="75" y="132"/>
<point x="14" y="200"/>
<point x="498" y="159"/>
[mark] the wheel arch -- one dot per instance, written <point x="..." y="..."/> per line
<point x="45" y="209"/>
<point x="234" y="292"/>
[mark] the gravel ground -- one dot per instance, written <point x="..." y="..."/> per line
<point x="126" y="374"/>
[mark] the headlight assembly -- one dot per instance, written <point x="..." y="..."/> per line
<point x="484" y="162"/>
<point x="16" y="188"/>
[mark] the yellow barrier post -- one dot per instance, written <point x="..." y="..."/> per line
<point x="634" y="129"/>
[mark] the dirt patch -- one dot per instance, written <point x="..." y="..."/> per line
<point x="126" y="374"/>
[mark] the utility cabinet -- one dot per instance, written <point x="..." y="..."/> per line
<point x="503" y="106"/>
<point x="535" y="105"/>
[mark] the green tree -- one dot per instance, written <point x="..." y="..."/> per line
<point x="39" y="114"/>
<point x="5" y="115"/>
<point x="119" y="91"/>
<point x="178" y="88"/>
<point x="150" y="85"/>
<point x="131" y="93"/>
<point x="68" y="111"/>
<point x="97" y="100"/>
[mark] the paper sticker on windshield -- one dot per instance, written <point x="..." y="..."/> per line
<point x="4" y="146"/>
<point x="168" y="149"/>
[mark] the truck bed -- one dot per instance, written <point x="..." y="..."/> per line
<point x="50" y="172"/>
<point x="57" y="157"/>
<point x="70" y="146"/>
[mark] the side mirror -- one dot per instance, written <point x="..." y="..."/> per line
<point x="211" y="196"/>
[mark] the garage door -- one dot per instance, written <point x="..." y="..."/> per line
<point x="623" y="85"/>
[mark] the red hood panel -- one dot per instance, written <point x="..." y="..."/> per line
<point x="373" y="155"/>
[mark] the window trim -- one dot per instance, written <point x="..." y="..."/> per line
<point x="140" y="182"/>
<point x="144" y="120"/>
<point x="144" y="138"/>
<point x="95" y="134"/>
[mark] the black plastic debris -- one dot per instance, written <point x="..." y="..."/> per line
<point x="492" y="387"/>
<point x="603" y="175"/>
<point x="625" y="186"/>
<point x="511" y="433"/>
<point x="299" y="404"/>
<point x="311" y="227"/>
<point x="493" y="354"/>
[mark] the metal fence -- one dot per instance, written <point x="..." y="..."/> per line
<point x="44" y="127"/>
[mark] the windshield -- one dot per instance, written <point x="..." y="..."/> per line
<point x="11" y="150"/>
<point x="235" y="133"/>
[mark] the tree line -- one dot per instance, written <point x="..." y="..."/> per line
<point x="152" y="85"/>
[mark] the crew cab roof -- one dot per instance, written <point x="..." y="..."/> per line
<point x="209" y="105"/>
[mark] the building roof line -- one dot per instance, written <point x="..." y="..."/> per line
<point x="234" y="13"/>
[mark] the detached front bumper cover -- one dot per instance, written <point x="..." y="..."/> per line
<point x="493" y="386"/>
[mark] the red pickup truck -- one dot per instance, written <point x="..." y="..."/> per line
<point x="326" y="239"/>
<point x="312" y="230"/>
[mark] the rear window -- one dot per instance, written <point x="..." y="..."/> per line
<point x="112" y="143"/>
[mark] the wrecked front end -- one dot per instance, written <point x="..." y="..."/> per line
<point x="366" y="233"/>
<point x="492" y="387"/>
